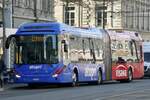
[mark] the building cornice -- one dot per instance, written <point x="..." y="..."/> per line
<point x="33" y="18"/>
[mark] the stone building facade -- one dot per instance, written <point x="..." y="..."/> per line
<point x="24" y="11"/>
<point x="136" y="16"/>
<point x="131" y="15"/>
<point x="80" y="13"/>
<point x="84" y="13"/>
<point x="18" y="12"/>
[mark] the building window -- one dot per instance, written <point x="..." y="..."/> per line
<point x="39" y="4"/>
<point x="45" y="5"/>
<point x="138" y="17"/>
<point x="143" y="19"/>
<point x="132" y="24"/>
<point x="23" y="3"/>
<point x="148" y="19"/>
<point x="105" y="18"/>
<point x="16" y="2"/>
<point x="27" y="3"/>
<point x="70" y="15"/>
<point x="100" y="16"/>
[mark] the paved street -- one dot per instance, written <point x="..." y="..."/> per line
<point x="136" y="90"/>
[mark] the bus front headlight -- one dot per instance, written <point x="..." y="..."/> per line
<point x="55" y="75"/>
<point x="18" y="76"/>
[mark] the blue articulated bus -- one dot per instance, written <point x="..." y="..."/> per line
<point x="57" y="53"/>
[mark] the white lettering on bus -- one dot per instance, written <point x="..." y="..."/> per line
<point x="121" y="73"/>
<point x="35" y="67"/>
<point x="90" y="71"/>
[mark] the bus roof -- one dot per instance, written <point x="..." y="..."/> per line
<point x="124" y="35"/>
<point x="57" y="28"/>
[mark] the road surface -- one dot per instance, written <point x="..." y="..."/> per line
<point x="136" y="90"/>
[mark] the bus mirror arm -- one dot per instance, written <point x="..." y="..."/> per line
<point x="65" y="45"/>
<point x="65" y="48"/>
<point x="8" y="41"/>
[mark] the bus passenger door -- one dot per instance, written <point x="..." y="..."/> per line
<point x="64" y="52"/>
<point x="10" y="52"/>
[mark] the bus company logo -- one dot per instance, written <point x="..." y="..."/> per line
<point x="35" y="67"/>
<point x="120" y="71"/>
<point x="121" y="66"/>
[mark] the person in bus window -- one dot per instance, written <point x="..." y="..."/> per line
<point x="120" y="60"/>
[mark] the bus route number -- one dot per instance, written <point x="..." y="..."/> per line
<point x="121" y="73"/>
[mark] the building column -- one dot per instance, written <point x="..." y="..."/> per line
<point x="7" y="11"/>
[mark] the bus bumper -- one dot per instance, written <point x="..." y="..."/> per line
<point x="42" y="79"/>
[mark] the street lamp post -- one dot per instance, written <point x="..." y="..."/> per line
<point x="4" y="30"/>
<point x="6" y="17"/>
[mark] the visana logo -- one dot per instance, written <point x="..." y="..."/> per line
<point x="35" y="67"/>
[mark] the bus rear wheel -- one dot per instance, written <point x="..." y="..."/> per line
<point x="100" y="79"/>
<point x="130" y="75"/>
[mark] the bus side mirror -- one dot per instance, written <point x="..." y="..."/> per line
<point x="8" y="41"/>
<point x="65" y="45"/>
<point x="7" y="44"/>
<point x="65" y="48"/>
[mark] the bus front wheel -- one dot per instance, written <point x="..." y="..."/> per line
<point x="74" y="78"/>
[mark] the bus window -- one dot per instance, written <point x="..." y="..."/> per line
<point x="126" y="45"/>
<point x="92" y="50"/>
<point x="87" y="56"/>
<point x="141" y="52"/>
<point x="37" y="49"/>
<point x="90" y="46"/>
<point x="83" y="46"/>
<point x="120" y="46"/>
<point x="131" y="47"/>
<point x="51" y="49"/>
<point x="134" y="52"/>
<point x="73" y="49"/>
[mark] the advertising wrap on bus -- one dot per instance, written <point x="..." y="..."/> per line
<point x="57" y="53"/>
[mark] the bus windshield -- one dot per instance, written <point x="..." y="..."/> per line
<point x="147" y="57"/>
<point x="36" y="49"/>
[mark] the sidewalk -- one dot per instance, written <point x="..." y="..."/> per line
<point x="1" y="89"/>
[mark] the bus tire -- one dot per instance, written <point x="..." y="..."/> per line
<point x="130" y="75"/>
<point x="74" y="78"/>
<point x="100" y="79"/>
